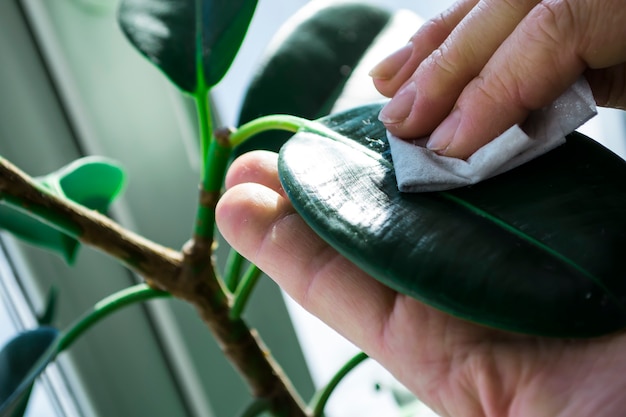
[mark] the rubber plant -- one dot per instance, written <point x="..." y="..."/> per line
<point x="548" y="234"/>
<point x="193" y="43"/>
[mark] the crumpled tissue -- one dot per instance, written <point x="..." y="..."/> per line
<point x="419" y="169"/>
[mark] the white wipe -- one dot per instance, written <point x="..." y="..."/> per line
<point x="419" y="169"/>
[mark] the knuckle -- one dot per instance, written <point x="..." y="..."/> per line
<point x="550" y="22"/>
<point x="494" y="89"/>
<point x="443" y="60"/>
<point x="601" y="33"/>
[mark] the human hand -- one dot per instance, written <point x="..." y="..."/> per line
<point x="483" y="65"/>
<point x="456" y="367"/>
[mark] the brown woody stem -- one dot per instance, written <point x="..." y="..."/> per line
<point x="241" y="345"/>
<point x="153" y="261"/>
<point x="189" y="275"/>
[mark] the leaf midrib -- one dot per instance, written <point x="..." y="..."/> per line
<point x="533" y="241"/>
<point x="517" y="232"/>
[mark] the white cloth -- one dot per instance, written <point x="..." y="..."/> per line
<point x="419" y="169"/>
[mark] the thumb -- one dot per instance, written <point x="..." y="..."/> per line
<point x="533" y="66"/>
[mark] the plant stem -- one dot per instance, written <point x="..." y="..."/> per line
<point x="199" y="284"/>
<point x="262" y="124"/>
<point x="107" y="306"/>
<point x="232" y="270"/>
<point x="153" y="261"/>
<point x="278" y="122"/>
<point x="214" y="155"/>
<point x="244" y="289"/>
<point x="189" y="276"/>
<point x="218" y="156"/>
<point x="321" y="397"/>
<point x="205" y="124"/>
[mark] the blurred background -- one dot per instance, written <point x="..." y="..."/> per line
<point x="71" y="85"/>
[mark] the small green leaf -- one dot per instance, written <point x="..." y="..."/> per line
<point x="17" y="361"/>
<point x="308" y="63"/>
<point x="193" y="42"/>
<point x="93" y="182"/>
<point x="536" y="250"/>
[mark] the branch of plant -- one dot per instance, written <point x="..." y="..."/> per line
<point x="278" y="122"/>
<point x="199" y="285"/>
<point x="243" y="291"/>
<point x="205" y="123"/>
<point x="190" y="276"/>
<point x="164" y="269"/>
<point x="208" y="291"/>
<point x="318" y="403"/>
<point x="215" y="154"/>
<point x="157" y="264"/>
<point x="232" y="269"/>
<point x="107" y="306"/>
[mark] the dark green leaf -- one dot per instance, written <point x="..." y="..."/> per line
<point x="308" y="64"/>
<point x="93" y="182"/>
<point x="193" y="42"/>
<point x="536" y="250"/>
<point x="17" y="373"/>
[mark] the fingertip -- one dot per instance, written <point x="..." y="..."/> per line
<point x="389" y="75"/>
<point x="383" y="87"/>
<point x="458" y="137"/>
<point x="257" y="166"/>
<point x="411" y="114"/>
<point x="389" y="66"/>
<point x="245" y="215"/>
<point x="400" y="107"/>
<point x="441" y="137"/>
<point x="462" y="150"/>
<point x="467" y="130"/>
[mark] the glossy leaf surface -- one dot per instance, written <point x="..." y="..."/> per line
<point x="93" y="182"/>
<point x="308" y="63"/>
<point x="17" y="359"/>
<point x="537" y="250"/>
<point x="193" y="42"/>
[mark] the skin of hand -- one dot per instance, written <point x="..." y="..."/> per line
<point x="480" y="67"/>
<point x="458" y="368"/>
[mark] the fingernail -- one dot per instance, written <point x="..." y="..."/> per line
<point x="400" y="105"/>
<point x="441" y="138"/>
<point x="390" y="66"/>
